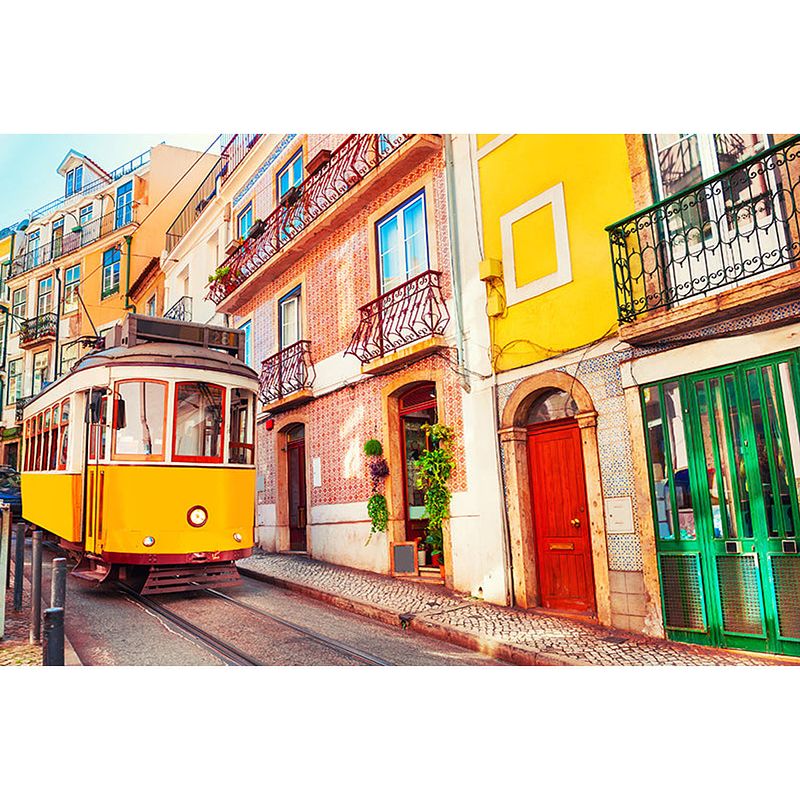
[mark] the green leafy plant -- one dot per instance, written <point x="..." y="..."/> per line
<point x="378" y="512"/>
<point x="220" y="273"/>
<point x="434" y="468"/>
<point x="377" y="508"/>
<point x="372" y="447"/>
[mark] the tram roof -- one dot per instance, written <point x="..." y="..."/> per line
<point x="165" y="354"/>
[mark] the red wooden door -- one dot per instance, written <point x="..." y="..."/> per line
<point x="296" y="457"/>
<point x="560" y="517"/>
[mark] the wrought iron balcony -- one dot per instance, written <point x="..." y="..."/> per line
<point x="290" y="370"/>
<point x="54" y="249"/>
<point x="20" y="406"/>
<point x="34" y="330"/>
<point x="233" y="152"/>
<point x="181" y="310"/>
<point x="406" y="314"/>
<point x="736" y="226"/>
<point x="349" y="164"/>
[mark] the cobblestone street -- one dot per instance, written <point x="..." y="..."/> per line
<point x="15" y="649"/>
<point x="556" y="639"/>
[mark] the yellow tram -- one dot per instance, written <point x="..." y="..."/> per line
<point x="141" y="458"/>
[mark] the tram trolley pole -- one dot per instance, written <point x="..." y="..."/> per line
<point x="19" y="565"/>
<point x="36" y="586"/>
<point x="5" y="561"/>
<point x="53" y="638"/>
<point x="58" y="583"/>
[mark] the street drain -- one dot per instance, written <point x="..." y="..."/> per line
<point x="615" y="639"/>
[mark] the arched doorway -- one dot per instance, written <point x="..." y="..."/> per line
<point x="559" y="508"/>
<point x="417" y="407"/>
<point x="296" y="487"/>
<point x="549" y="438"/>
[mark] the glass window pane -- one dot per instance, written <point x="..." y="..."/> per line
<point x="679" y="462"/>
<point x="552" y="405"/>
<point x="241" y="449"/>
<point x="416" y="245"/>
<point x="198" y="421"/>
<point x="392" y="268"/>
<point x="658" y="462"/>
<point x="143" y="432"/>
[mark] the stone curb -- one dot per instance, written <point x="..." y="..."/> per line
<point x="503" y="651"/>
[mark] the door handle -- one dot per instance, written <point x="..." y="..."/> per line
<point x="576" y="523"/>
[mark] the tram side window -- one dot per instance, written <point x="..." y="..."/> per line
<point x="54" y="438"/>
<point x="241" y="447"/>
<point x="62" y="453"/>
<point x="199" y="422"/>
<point x="142" y="435"/>
<point x="39" y="435"/>
<point x="98" y="432"/>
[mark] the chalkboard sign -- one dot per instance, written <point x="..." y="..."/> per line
<point x="404" y="558"/>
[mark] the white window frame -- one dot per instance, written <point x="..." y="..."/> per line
<point x="397" y="213"/>
<point x="288" y="169"/>
<point x="68" y="285"/>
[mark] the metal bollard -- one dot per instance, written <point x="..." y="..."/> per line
<point x="58" y="583"/>
<point x="19" y="566"/>
<point x="36" y="587"/>
<point x="5" y="561"/>
<point x="53" y="640"/>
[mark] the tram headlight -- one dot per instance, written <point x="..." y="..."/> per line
<point x="237" y="537"/>
<point x="148" y="541"/>
<point x="197" y="516"/>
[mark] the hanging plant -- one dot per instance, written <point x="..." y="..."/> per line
<point x="434" y="468"/>
<point x="377" y="508"/>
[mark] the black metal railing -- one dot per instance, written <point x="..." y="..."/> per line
<point x="234" y="150"/>
<point x="739" y="224"/>
<point x="20" y="406"/>
<point x="289" y="370"/>
<point x="36" y="328"/>
<point x="181" y="310"/>
<point x="349" y="164"/>
<point x="410" y="312"/>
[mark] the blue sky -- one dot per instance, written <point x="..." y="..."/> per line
<point x="28" y="162"/>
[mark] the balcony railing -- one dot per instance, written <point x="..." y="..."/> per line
<point x="233" y="151"/>
<point x="181" y="310"/>
<point x="54" y="249"/>
<point x="349" y="164"/>
<point x="289" y="370"/>
<point x="37" y="328"/>
<point x="726" y="230"/>
<point x="20" y="406"/>
<point x="93" y="186"/>
<point x="410" y="312"/>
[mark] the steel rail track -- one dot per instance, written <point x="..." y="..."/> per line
<point x="333" y="644"/>
<point x="230" y="654"/>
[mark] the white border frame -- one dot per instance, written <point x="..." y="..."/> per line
<point x="554" y="197"/>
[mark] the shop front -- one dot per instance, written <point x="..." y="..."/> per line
<point x="723" y="452"/>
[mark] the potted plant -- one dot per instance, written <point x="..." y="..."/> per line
<point x="377" y="508"/>
<point x="422" y="553"/>
<point x="434" y="468"/>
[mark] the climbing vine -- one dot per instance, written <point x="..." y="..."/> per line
<point x="434" y="468"/>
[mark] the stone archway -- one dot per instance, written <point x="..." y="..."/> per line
<point x="514" y="441"/>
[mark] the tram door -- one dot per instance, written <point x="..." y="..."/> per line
<point x="96" y="435"/>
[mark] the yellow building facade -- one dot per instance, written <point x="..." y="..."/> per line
<point x="543" y="202"/>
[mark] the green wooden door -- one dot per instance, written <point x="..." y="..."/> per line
<point x="724" y="455"/>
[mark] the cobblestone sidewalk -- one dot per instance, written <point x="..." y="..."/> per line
<point x="15" y="649"/>
<point x="556" y="639"/>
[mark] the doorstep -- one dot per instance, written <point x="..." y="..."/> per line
<point x="523" y="637"/>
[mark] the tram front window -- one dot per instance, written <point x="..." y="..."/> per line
<point x="241" y="443"/>
<point x="199" y="422"/>
<point x="142" y="435"/>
